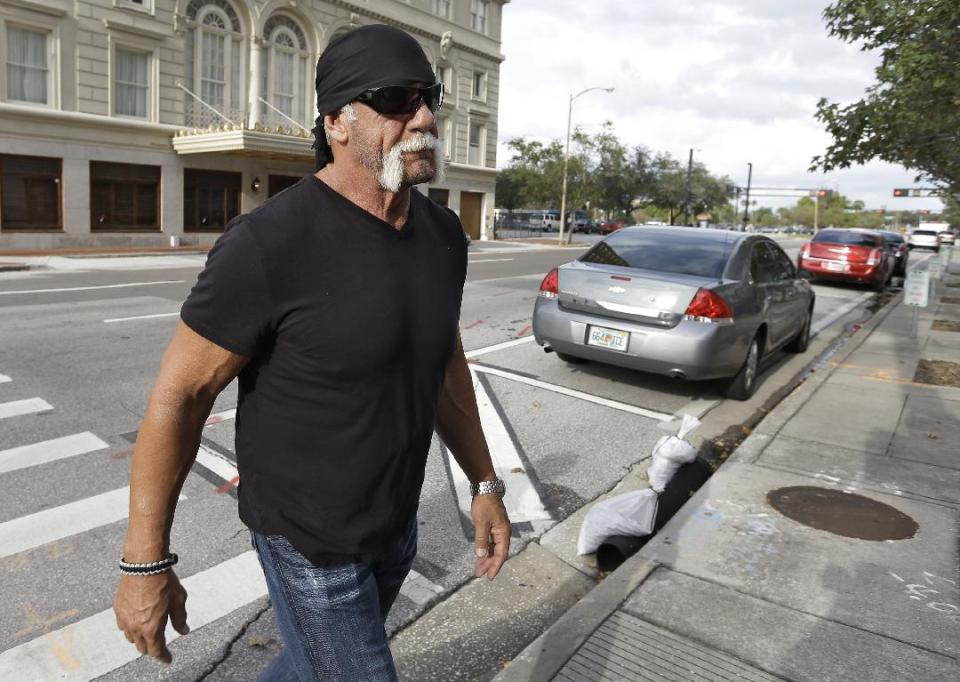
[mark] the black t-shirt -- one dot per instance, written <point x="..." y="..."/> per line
<point x="349" y="325"/>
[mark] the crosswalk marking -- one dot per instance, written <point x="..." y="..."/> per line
<point x="4" y="378"/>
<point x="218" y="464"/>
<point x="57" y="523"/>
<point x="94" y="646"/>
<point x="49" y="451"/>
<point x="418" y="589"/>
<point x="572" y="393"/>
<point x="218" y="417"/>
<point x="470" y="355"/>
<point x="16" y="408"/>
<point x="522" y="501"/>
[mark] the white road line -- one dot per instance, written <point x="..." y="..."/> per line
<point x="4" y="379"/>
<point x="16" y="408"/>
<point x="93" y="288"/>
<point x="522" y="501"/>
<point x="49" y="451"/>
<point x="419" y="590"/>
<point x="825" y="322"/>
<point x="218" y="417"/>
<point x="141" y="317"/>
<point x="499" y="346"/>
<point x="491" y="260"/>
<point x="563" y="390"/>
<point x="93" y="646"/>
<point x="218" y="464"/>
<point x="57" y="523"/>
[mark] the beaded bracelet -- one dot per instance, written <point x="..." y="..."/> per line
<point x="150" y="568"/>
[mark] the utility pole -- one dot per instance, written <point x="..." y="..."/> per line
<point x="746" y="204"/>
<point x="689" y="198"/>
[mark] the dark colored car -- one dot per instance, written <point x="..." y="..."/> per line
<point x="901" y="252"/>
<point x="689" y="304"/>
<point x="848" y="255"/>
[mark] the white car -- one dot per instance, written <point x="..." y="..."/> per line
<point x="924" y="238"/>
<point x="947" y="237"/>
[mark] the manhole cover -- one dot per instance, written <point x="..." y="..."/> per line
<point x="846" y="514"/>
<point x="938" y="373"/>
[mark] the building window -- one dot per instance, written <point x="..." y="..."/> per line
<point x="278" y="183"/>
<point x="211" y="199"/>
<point x="479" y="85"/>
<point x="442" y="8"/>
<point x="475" y="155"/>
<point x="142" y="5"/>
<point x="213" y="56"/>
<point x="131" y="83"/>
<point x="283" y="69"/>
<point x="28" y="73"/>
<point x="124" y="196"/>
<point x="478" y="15"/>
<point x="443" y="76"/>
<point x="29" y="193"/>
<point x="447" y="132"/>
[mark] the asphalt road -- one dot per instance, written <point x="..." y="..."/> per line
<point x="81" y="342"/>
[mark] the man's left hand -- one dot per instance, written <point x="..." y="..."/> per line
<point x="492" y="534"/>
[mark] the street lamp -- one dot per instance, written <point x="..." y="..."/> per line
<point x="689" y="198"/>
<point x="566" y="158"/>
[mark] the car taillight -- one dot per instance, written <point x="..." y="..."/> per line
<point x="874" y="257"/>
<point x="549" y="287"/>
<point x="805" y="251"/>
<point x="708" y="306"/>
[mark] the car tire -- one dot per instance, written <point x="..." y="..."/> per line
<point x="572" y="359"/>
<point x="741" y="387"/>
<point x="799" y="343"/>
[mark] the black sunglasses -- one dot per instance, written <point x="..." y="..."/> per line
<point x="396" y="100"/>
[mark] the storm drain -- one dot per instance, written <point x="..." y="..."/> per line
<point x="627" y="648"/>
<point x="946" y="326"/>
<point x="846" y="514"/>
<point x="938" y="373"/>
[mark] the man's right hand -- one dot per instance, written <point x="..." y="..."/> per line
<point x="142" y="605"/>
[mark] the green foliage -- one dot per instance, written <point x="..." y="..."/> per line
<point x="911" y="115"/>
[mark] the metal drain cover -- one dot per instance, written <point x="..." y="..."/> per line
<point x="846" y="514"/>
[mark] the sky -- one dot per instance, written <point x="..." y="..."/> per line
<point x="736" y="80"/>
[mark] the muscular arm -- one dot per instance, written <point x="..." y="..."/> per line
<point x="192" y="373"/>
<point x="458" y="425"/>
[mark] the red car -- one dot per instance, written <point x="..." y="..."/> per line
<point x="851" y="255"/>
<point x="610" y="228"/>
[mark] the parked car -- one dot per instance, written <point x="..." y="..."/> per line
<point x="689" y="304"/>
<point x="611" y="227"/>
<point x="947" y="237"/>
<point x="848" y="255"/>
<point x="898" y="247"/>
<point x="924" y="238"/>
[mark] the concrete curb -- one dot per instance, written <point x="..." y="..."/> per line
<point x="543" y="658"/>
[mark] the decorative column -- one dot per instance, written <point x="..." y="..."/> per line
<point x="253" y="103"/>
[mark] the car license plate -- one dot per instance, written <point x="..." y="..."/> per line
<point x="835" y="266"/>
<point x="613" y="339"/>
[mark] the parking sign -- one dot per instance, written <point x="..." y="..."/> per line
<point x="917" y="287"/>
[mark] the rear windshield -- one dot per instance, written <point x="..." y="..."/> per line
<point x="846" y="237"/>
<point x="679" y="253"/>
<point x="925" y="233"/>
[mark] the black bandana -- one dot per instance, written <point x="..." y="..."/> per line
<point x="367" y="57"/>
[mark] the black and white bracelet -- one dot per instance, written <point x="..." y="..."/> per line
<point x="150" y="568"/>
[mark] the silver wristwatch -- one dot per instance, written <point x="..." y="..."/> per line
<point x="496" y="486"/>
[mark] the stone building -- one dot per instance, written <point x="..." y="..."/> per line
<point x="131" y="122"/>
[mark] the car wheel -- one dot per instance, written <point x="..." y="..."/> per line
<point x="572" y="359"/>
<point x="800" y="342"/>
<point x="743" y="385"/>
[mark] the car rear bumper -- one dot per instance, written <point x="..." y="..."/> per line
<point x="852" y="272"/>
<point x="697" y="350"/>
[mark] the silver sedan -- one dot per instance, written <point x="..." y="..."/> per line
<point x="685" y="302"/>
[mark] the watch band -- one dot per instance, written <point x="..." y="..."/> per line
<point x="496" y="486"/>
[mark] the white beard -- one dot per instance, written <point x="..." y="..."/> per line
<point x="392" y="174"/>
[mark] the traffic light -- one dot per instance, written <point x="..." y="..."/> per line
<point x="824" y="193"/>
<point x="901" y="192"/>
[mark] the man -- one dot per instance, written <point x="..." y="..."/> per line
<point x="336" y="304"/>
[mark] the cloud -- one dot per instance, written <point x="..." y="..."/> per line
<point x="737" y="79"/>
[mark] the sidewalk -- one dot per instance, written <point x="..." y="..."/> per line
<point x="853" y="576"/>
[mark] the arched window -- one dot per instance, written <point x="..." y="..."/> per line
<point x="214" y="61"/>
<point x="283" y="70"/>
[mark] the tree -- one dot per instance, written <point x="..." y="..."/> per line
<point x="511" y="186"/>
<point x="911" y="115"/>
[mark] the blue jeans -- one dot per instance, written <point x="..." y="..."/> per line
<point x="332" y="619"/>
